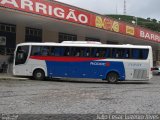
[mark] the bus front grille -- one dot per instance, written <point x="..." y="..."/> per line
<point x="140" y="74"/>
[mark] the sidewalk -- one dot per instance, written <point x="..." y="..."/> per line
<point x="5" y="76"/>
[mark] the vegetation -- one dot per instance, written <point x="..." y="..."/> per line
<point x="149" y="23"/>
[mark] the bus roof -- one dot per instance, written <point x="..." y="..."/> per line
<point x="82" y="44"/>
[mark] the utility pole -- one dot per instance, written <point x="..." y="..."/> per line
<point x="116" y="9"/>
<point x="124" y="10"/>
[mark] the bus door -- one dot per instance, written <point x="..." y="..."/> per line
<point x="20" y="63"/>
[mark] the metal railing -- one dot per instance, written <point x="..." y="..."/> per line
<point x="6" y="57"/>
<point x="6" y="51"/>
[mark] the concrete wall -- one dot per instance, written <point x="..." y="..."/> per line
<point x="80" y="38"/>
<point x="3" y="59"/>
<point x="20" y="33"/>
<point x="49" y="36"/>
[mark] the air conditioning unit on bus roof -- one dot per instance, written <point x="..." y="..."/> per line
<point x="49" y="42"/>
<point x="127" y="44"/>
<point x="81" y="42"/>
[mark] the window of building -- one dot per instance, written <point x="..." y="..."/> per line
<point x="7" y="28"/>
<point x="33" y="35"/>
<point x="67" y="37"/>
<point x="7" y="38"/>
<point x="33" y="32"/>
<point x="13" y="29"/>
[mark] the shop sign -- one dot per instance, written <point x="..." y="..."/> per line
<point x="149" y="35"/>
<point x="49" y="9"/>
<point x="107" y="24"/>
<point x="130" y="30"/>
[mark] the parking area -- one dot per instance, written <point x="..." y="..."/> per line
<point x="79" y="97"/>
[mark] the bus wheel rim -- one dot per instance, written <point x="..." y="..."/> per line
<point x="112" y="78"/>
<point x="39" y="74"/>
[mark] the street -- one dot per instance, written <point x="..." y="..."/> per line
<point x="79" y="97"/>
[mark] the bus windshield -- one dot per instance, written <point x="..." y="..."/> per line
<point x="21" y="55"/>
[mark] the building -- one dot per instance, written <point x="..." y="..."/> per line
<point x="51" y="21"/>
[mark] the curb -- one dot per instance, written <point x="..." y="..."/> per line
<point x="12" y="78"/>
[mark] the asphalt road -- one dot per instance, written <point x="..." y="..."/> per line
<point x="79" y="97"/>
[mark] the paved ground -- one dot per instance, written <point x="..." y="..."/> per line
<point x="70" y="96"/>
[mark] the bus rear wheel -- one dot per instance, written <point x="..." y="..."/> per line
<point x="38" y="74"/>
<point x="112" y="77"/>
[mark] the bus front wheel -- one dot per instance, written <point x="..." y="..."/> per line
<point x="38" y="74"/>
<point x="112" y="77"/>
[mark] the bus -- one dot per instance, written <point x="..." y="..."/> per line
<point x="83" y="59"/>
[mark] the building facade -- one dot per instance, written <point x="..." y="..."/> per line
<point x="51" y="21"/>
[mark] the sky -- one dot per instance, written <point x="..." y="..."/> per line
<point x="138" y="8"/>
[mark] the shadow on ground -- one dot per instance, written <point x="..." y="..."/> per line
<point x="95" y="81"/>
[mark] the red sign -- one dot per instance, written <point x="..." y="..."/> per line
<point x="48" y="9"/>
<point x="120" y="27"/>
<point x="113" y="25"/>
<point x="148" y="35"/>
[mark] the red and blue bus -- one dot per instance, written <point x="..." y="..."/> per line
<point x="83" y="59"/>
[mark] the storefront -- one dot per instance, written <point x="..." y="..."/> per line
<point x="50" y="21"/>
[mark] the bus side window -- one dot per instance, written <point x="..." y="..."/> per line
<point x="57" y="51"/>
<point x="36" y="51"/>
<point x="75" y="51"/>
<point x="66" y="51"/>
<point x="82" y="50"/>
<point x="86" y="52"/>
<point x="52" y="53"/>
<point x="45" y="51"/>
<point x="94" y="52"/>
<point x="97" y="53"/>
<point x="107" y="53"/>
<point x="144" y="53"/>
<point x="115" y="53"/>
<point x="125" y="53"/>
<point x="135" y="53"/>
<point x="102" y="53"/>
<point x="62" y="51"/>
<point x="79" y="52"/>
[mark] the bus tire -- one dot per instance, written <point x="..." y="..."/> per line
<point x="38" y="74"/>
<point x="112" y="77"/>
